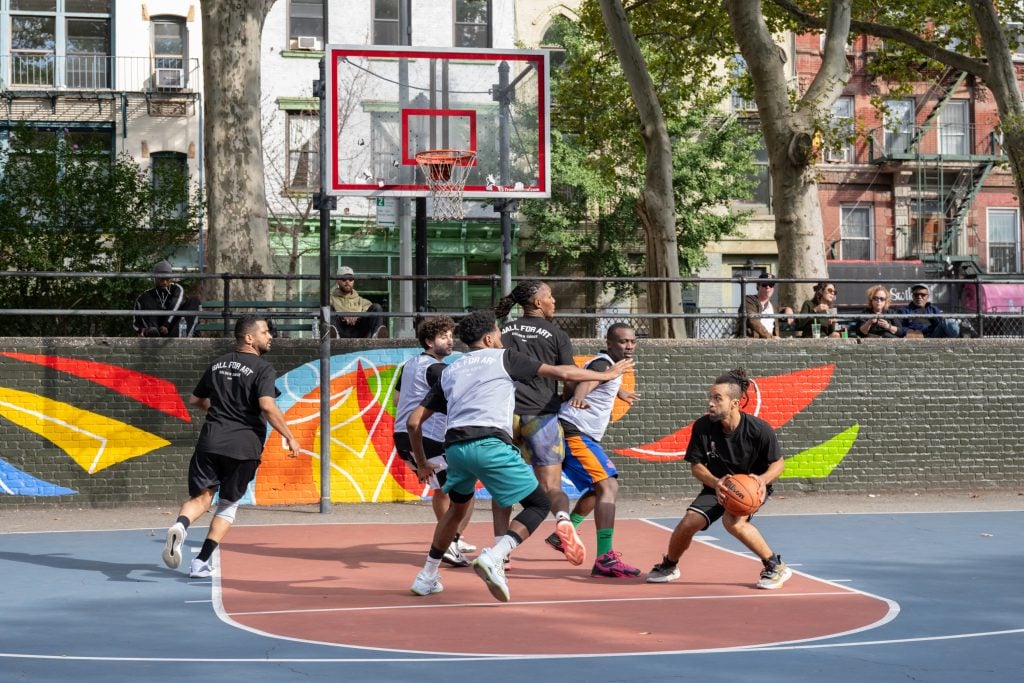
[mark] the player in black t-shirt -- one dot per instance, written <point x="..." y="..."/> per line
<point x="238" y="394"/>
<point x="537" y="429"/>
<point x="727" y="441"/>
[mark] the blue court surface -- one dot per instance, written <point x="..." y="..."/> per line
<point x="100" y="606"/>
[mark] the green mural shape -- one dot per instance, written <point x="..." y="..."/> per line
<point x="819" y="461"/>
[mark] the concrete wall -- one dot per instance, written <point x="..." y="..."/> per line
<point x="99" y="422"/>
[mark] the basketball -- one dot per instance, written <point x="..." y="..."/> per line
<point x="742" y="494"/>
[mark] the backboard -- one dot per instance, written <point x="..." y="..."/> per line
<point x="386" y="103"/>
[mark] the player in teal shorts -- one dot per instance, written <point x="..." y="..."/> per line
<point x="477" y="392"/>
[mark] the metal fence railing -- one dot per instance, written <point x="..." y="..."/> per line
<point x="42" y="70"/>
<point x="71" y="304"/>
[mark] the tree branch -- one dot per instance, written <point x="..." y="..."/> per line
<point x="954" y="59"/>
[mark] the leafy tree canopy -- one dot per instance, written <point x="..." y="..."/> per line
<point x="73" y="207"/>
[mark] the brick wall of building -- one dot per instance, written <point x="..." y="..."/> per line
<point x="100" y="422"/>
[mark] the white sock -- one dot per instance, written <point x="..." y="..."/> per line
<point x="431" y="566"/>
<point x="560" y="515"/>
<point x="497" y="540"/>
<point x="504" y="547"/>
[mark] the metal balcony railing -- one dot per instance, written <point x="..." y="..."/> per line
<point x="948" y="141"/>
<point x="45" y="71"/>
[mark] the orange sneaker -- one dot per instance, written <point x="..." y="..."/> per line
<point x="572" y="546"/>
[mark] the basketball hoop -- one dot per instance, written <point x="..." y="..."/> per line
<point x="446" y="171"/>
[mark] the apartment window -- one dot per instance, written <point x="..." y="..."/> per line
<point x="855" y="229"/>
<point x="899" y="125"/>
<point x="385" y="22"/>
<point x="554" y="41"/>
<point x="738" y="73"/>
<point x="953" y="128"/>
<point x="1003" y="241"/>
<point x="302" y="145"/>
<point x="169" y="43"/>
<point x="306" y="24"/>
<point x="842" y="128"/>
<point x="60" y="43"/>
<point x="169" y="174"/>
<point x="472" y="23"/>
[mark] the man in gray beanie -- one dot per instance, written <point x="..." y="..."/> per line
<point x="165" y="296"/>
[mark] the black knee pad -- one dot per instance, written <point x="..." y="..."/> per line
<point x="457" y="497"/>
<point x="536" y="507"/>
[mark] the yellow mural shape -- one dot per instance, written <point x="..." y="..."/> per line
<point x="93" y="441"/>
<point x="361" y="447"/>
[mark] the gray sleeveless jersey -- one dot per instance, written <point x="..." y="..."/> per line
<point x="412" y="390"/>
<point x="593" y="421"/>
<point x="479" y="391"/>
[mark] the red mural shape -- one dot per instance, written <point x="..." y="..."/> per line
<point x="151" y="391"/>
<point x="774" y="399"/>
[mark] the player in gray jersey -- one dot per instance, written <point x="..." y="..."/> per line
<point x="415" y="378"/>
<point x="477" y="392"/>
<point x="585" y="417"/>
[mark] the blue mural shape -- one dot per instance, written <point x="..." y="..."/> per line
<point x="15" y="482"/>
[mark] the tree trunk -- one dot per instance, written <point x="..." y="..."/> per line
<point x="1002" y="81"/>
<point x="237" y="232"/>
<point x="656" y="205"/>
<point x="788" y="133"/>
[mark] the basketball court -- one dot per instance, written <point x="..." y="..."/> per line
<point x="923" y="596"/>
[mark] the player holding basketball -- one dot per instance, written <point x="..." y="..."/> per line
<point x="417" y="376"/>
<point x="584" y="419"/>
<point x="477" y="392"/>
<point x="536" y="427"/>
<point x="727" y="441"/>
<point x="238" y="394"/>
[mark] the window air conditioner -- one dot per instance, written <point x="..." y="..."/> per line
<point x="170" y="79"/>
<point x="308" y="43"/>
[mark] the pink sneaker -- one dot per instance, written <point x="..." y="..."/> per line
<point x="572" y="546"/>
<point x="611" y="565"/>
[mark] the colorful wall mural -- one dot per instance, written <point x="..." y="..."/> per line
<point x="364" y="465"/>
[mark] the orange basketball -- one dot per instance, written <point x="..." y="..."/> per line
<point x="742" y="494"/>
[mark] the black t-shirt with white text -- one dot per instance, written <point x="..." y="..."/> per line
<point x="548" y="343"/>
<point x="235" y="426"/>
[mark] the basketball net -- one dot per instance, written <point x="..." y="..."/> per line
<point x="446" y="172"/>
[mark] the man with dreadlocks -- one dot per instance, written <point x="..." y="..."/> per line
<point x="538" y="431"/>
<point x="727" y="441"/>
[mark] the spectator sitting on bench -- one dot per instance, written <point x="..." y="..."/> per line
<point x="169" y="297"/>
<point x="928" y="327"/>
<point x="345" y="299"/>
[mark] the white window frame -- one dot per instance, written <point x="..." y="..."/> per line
<point x="487" y="25"/>
<point x="1015" y="244"/>
<point x="294" y="33"/>
<point x="845" y="153"/>
<point x="844" y="211"/>
<point x="310" y="117"/>
<point x="903" y="129"/>
<point x="385" y="23"/>
<point x="954" y="136"/>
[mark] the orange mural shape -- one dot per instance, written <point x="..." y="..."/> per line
<point x="774" y="399"/>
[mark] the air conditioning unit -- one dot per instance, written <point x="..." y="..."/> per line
<point x="308" y="43"/>
<point x="169" y="79"/>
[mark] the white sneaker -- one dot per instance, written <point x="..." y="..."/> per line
<point x="453" y="557"/>
<point x="172" y="548"/>
<point x="426" y="585"/>
<point x="466" y="547"/>
<point x="492" y="570"/>
<point x="200" y="570"/>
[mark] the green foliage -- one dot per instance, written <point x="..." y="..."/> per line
<point x="66" y="208"/>
<point x="597" y="156"/>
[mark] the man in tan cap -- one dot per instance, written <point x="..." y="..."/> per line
<point x="345" y="299"/>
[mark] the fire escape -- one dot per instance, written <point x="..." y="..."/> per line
<point x="938" y="168"/>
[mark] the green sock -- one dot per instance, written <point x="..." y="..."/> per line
<point x="576" y="520"/>
<point x="604" y="541"/>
